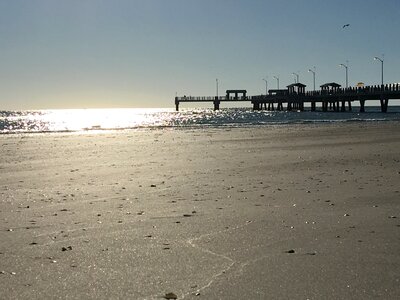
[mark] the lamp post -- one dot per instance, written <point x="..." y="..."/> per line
<point x="277" y="80"/>
<point x="266" y="86"/>
<point x="313" y="72"/>
<point x="381" y="60"/>
<point x="347" y="74"/>
<point x="297" y="77"/>
<point x="217" y="86"/>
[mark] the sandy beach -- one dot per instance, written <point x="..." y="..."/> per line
<point x="285" y="212"/>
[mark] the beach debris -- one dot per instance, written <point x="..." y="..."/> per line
<point x="290" y="251"/>
<point x="9" y="229"/>
<point x="170" y="296"/>
<point x="187" y="215"/>
<point x="311" y="253"/>
<point x="64" y="209"/>
<point x="392" y="217"/>
<point x="66" y="248"/>
<point x="140" y="213"/>
<point x="346" y="215"/>
<point x="33" y="243"/>
<point x="153" y="185"/>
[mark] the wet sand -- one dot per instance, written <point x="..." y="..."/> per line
<point x="287" y="212"/>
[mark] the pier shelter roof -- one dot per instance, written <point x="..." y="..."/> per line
<point x="277" y="92"/>
<point x="297" y="84"/>
<point x="236" y="93"/>
<point x="296" y="88"/>
<point x="328" y="85"/>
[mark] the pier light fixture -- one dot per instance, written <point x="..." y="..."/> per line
<point x="296" y="79"/>
<point x="277" y="80"/>
<point x="313" y="72"/>
<point x="216" y="80"/>
<point x="381" y="60"/>
<point x="347" y="74"/>
<point x="266" y="86"/>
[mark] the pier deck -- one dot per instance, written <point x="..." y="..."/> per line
<point x="329" y="100"/>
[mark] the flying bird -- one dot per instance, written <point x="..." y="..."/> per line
<point x="346" y="25"/>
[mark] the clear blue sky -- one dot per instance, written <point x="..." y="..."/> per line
<point x="139" y="53"/>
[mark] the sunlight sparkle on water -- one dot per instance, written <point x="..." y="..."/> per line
<point x="96" y="119"/>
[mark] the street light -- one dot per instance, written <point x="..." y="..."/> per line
<point x="277" y="80"/>
<point x="381" y="60"/>
<point x="217" y="86"/>
<point x="266" y="86"/>
<point x="297" y="77"/>
<point x="347" y="74"/>
<point x="313" y="72"/>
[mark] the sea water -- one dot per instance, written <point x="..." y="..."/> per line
<point x="81" y="120"/>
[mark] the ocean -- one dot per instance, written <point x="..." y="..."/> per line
<point x="84" y="120"/>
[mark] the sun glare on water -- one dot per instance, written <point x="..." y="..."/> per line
<point x="97" y="119"/>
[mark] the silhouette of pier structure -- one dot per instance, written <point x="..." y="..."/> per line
<point x="331" y="97"/>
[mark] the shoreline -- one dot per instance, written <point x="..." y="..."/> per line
<point x="293" y="211"/>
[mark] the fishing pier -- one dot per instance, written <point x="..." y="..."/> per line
<point x="331" y="97"/>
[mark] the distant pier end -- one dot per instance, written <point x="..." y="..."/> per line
<point x="331" y="97"/>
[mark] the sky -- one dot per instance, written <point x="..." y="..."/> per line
<point x="141" y="53"/>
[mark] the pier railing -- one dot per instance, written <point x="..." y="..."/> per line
<point x="208" y="98"/>
<point x="375" y="89"/>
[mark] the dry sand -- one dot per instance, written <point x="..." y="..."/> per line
<point x="289" y="212"/>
